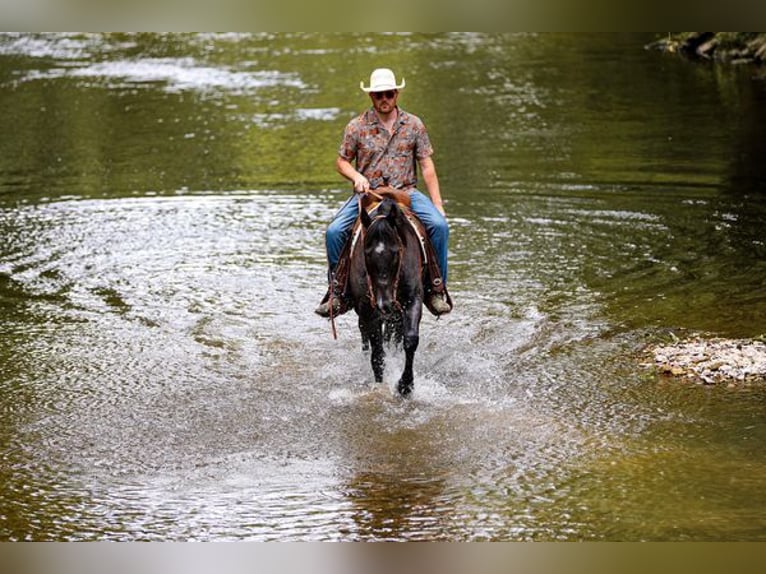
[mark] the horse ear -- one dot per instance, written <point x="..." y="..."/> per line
<point x="366" y="221"/>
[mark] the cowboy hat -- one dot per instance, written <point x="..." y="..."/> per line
<point x="381" y="80"/>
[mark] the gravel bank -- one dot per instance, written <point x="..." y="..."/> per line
<point x="712" y="361"/>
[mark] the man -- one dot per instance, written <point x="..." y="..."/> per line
<point x="385" y="143"/>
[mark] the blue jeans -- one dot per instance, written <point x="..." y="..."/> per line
<point x="434" y="222"/>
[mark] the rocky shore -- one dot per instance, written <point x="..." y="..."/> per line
<point x="733" y="47"/>
<point x="711" y="361"/>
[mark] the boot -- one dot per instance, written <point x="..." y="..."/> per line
<point x="439" y="305"/>
<point x="324" y="307"/>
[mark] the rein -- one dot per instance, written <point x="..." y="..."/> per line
<point x="370" y="288"/>
<point x="400" y="250"/>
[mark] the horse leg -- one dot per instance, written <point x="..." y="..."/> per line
<point x="392" y="329"/>
<point x="411" y="338"/>
<point x="378" y="355"/>
<point x="372" y="339"/>
<point x="365" y="336"/>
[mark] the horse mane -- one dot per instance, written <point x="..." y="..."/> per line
<point x="389" y="211"/>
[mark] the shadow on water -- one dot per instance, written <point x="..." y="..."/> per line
<point x="162" y="212"/>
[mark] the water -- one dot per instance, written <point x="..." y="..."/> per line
<point x="163" y="200"/>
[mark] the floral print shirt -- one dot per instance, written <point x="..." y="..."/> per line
<point x="384" y="158"/>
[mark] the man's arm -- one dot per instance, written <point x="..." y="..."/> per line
<point x="347" y="170"/>
<point x="428" y="170"/>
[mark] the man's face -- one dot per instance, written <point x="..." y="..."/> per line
<point x="384" y="102"/>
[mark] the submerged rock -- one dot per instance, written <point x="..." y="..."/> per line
<point x="712" y="361"/>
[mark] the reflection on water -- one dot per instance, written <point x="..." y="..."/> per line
<point x="163" y="200"/>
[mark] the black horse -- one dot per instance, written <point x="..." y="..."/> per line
<point x="386" y="287"/>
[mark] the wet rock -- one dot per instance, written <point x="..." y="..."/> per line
<point x="732" y="47"/>
<point x="712" y="360"/>
<point x="696" y="44"/>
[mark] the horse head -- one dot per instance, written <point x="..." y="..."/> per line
<point x="384" y="244"/>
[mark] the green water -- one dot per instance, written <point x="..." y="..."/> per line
<point x="163" y="200"/>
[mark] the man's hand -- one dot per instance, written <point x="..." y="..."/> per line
<point x="344" y="167"/>
<point x="361" y="184"/>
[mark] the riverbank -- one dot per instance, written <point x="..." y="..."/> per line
<point x="711" y="361"/>
<point x="732" y="47"/>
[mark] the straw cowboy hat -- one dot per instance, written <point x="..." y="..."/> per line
<point x="381" y="80"/>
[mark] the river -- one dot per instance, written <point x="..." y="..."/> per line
<point x="163" y="200"/>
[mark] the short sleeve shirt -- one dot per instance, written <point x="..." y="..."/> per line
<point x="384" y="158"/>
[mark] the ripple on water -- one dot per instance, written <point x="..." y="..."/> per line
<point x="182" y="388"/>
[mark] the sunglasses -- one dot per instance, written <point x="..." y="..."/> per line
<point x="389" y="95"/>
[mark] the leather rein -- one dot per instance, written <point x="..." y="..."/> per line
<point x="400" y="254"/>
<point x="370" y="288"/>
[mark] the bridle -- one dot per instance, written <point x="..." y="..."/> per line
<point x="370" y="287"/>
<point x="400" y="256"/>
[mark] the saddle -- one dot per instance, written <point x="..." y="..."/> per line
<point x="433" y="278"/>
